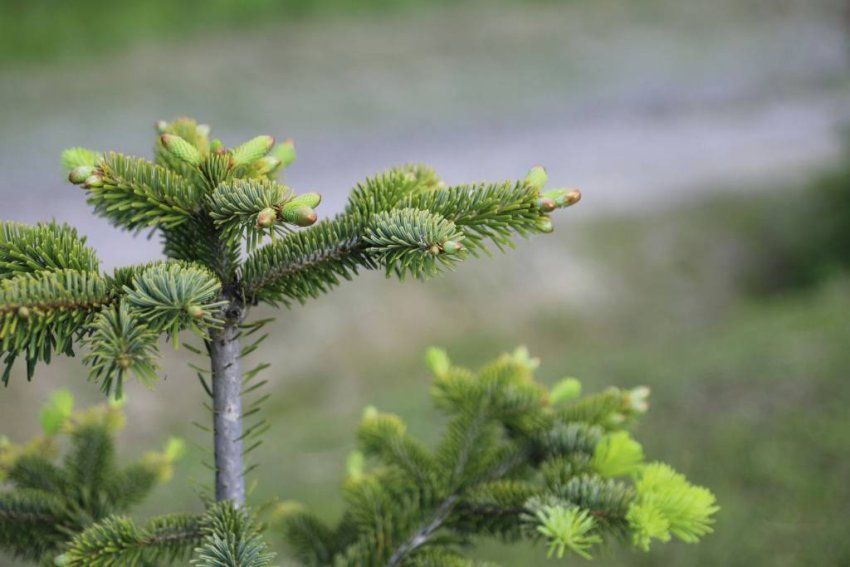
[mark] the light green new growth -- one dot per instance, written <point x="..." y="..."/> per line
<point x="567" y="529"/>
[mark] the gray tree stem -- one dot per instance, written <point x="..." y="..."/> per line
<point x="227" y="414"/>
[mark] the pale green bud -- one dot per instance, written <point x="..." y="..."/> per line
<point x="311" y="200"/>
<point x="545" y="205"/>
<point x="175" y="449"/>
<point x="266" y="165"/>
<point x="637" y="399"/>
<point x="544" y="224"/>
<point x="252" y="150"/>
<point x="452" y="247"/>
<point x="181" y="149"/>
<point x="93" y="181"/>
<point x="266" y="218"/>
<point x="195" y="311"/>
<point x="559" y="196"/>
<point x="80" y="174"/>
<point x="285" y="152"/>
<point x="565" y="390"/>
<point x="537" y="177"/>
<point x="437" y="361"/>
<point x="354" y="465"/>
<point x="299" y="215"/>
<point x="24" y="312"/>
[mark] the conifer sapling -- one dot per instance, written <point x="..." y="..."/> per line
<point x="233" y="237"/>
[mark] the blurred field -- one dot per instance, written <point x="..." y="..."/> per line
<point x="707" y="259"/>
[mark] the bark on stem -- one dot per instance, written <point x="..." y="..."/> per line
<point x="227" y="414"/>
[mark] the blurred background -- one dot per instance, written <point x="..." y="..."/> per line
<point x="708" y="258"/>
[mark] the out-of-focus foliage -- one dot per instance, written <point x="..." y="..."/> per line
<point x="49" y="500"/>
<point x="511" y="465"/>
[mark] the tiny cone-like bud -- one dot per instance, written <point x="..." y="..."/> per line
<point x="311" y="200"/>
<point x="266" y="218"/>
<point x="80" y="174"/>
<point x="195" y="311"/>
<point x="546" y="205"/>
<point x="563" y="197"/>
<point x="93" y="181"/>
<point x="181" y="149"/>
<point x="285" y="152"/>
<point x="266" y="165"/>
<point x="452" y="247"/>
<point x="434" y="250"/>
<point x="637" y="399"/>
<point x="24" y="312"/>
<point x="559" y="196"/>
<point x="565" y="390"/>
<point x="252" y="150"/>
<point x="203" y="130"/>
<point x="545" y="225"/>
<point x="216" y="147"/>
<point x="299" y="215"/>
<point x="537" y="177"/>
<point x="438" y="362"/>
<point x="123" y="361"/>
<point x="161" y="126"/>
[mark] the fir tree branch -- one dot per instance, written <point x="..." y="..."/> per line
<point x="119" y="541"/>
<point x="134" y="193"/>
<point x="43" y="247"/>
<point x="32" y="523"/>
<point x="42" y="313"/>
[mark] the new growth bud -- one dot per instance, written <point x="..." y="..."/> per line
<point x="285" y="152"/>
<point x="563" y="197"/>
<point x="161" y="126"/>
<point x="545" y="225"/>
<point x="637" y="400"/>
<point x="80" y="174"/>
<point x="266" y="218"/>
<point x="565" y="390"/>
<point x="299" y="215"/>
<point x="252" y="150"/>
<point x="266" y="165"/>
<point x="537" y="177"/>
<point x="195" y="311"/>
<point x="93" y="181"/>
<point x="311" y="199"/>
<point x="181" y="149"/>
<point x="24" y="312"/>
<point x="545" y="205"/>
<point x="573" y="197"/>
<point x="452" y="247"/>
